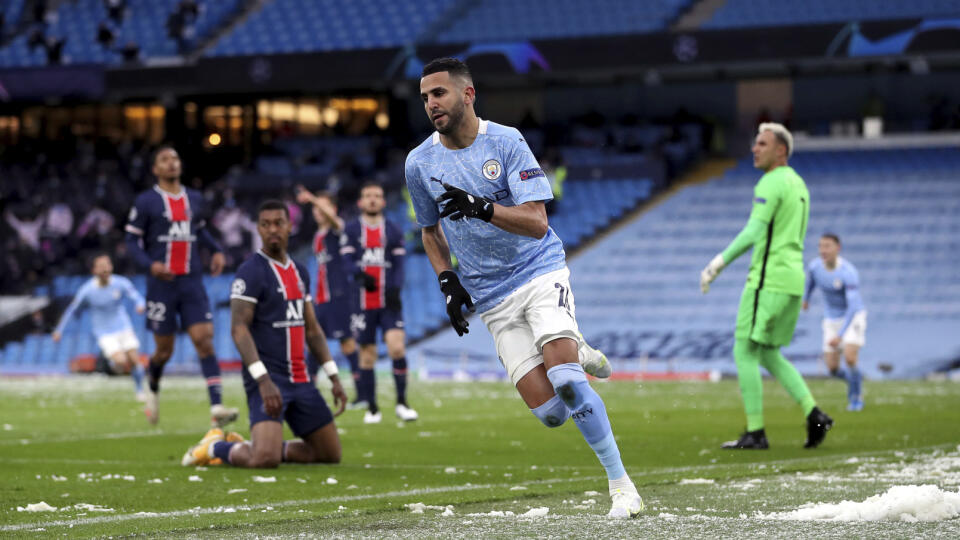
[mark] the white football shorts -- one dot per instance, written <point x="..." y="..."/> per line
<point x="118" y="342"/>
<point x="536" y="313"/>
<point x="856" y="333"/>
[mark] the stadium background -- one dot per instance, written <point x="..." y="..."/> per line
<point x="646" y="108"/>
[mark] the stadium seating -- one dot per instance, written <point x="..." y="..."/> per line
<point x="747" y="13"/>
<point x="896" y="211"/>
<point x="144" y="24"/>
<point x="293" y="26"/>
<point x="508" y="20"/>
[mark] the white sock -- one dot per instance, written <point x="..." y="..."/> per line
<point x="623" y="483"/>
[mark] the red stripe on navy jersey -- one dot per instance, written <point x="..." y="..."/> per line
<point x="323" y="282"/>
<point x="373" y="237"/>
<point x="295" y="334"/>
<point x="178" y="252"/>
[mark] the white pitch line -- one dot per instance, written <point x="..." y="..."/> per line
<point x="299" y="502"/>
<point x="108" y="436"/>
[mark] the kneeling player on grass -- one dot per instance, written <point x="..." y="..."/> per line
<point x="770" y="304"/>
<point x="271" y="315"/>
<point x="489" y="205"/>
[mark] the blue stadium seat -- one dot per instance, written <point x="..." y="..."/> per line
<point x="748" y="13"/>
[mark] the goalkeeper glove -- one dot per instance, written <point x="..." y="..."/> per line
<point x="461" y="204"/>
<point x="366" y="281"/>
<point x="456" y="297"/>
<point x="710" y="273"/>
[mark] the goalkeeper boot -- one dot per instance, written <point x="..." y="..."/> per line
<point x="750" y="440"/>
<point x="233" y="437"/>
<point x="818" y="424"/>
<point x="199" y="453"/>
<point x="593" y="361"/>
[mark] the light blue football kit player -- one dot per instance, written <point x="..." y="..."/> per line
<point x="481" y="184"/>
<point x="104" y="296"/>
<point x="845" y="316"/>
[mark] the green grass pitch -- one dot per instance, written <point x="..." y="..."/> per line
<point x="82" y="445"/>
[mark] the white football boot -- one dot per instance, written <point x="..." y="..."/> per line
<point x="406" y="413"/>
<point x="221" y="415"/>
<point x="372" y="418"/>
<point x="626" y="504"/>
<point x="594" y="362"/>
<point x="151" y="406"/>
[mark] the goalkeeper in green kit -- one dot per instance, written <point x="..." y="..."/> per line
<point x="771" y="299"/>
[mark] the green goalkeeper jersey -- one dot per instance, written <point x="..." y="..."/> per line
<point x="781" y="200"/>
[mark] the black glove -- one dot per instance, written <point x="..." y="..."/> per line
<point x="366" y="281"/>
<point x="462" y="204"/>
<point x="393" y="299"/>
<point x="456" y="297"/>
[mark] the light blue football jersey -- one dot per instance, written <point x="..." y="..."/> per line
<point x="499" y="166"/>
<point x="840" y="287"/>
<point x="107" y="313"/>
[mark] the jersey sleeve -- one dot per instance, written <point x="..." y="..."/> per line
<point x="75" y="304"/>
<point x="248" y="284"/>
<point x="131" y="292"/>
<point x="766" y="198"/>
<point x="137" y="218"/>
<point x="349" y="248"/>
<point x="851" y="283"/>
<point x="424" y="205"/>
<point x="305" y="278"/>
<point x="525" y="177"/>
<point x="396" y="254"/>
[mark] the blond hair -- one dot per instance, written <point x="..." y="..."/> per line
<point x="782" y="134"/>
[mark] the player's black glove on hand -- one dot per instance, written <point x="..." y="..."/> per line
<point x="456" y="297"/>
<point x="366" y="281"/>
<point x="462" y="204"/>
<point x="393" y="299"/>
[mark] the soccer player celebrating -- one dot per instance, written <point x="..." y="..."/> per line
<point x="845" y="320"/>
<point x="271" y="316"/>
<point x="104" y="295"/>
<point x="479" y="192"/>
<point x="332" y="300"/>
<point x="378" y="244"/>
<point x="166" y="223"/>
<point x="770" y="304"/>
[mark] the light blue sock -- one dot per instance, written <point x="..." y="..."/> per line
<point x="137" y="374"/>
<point x="854" y="383"/>
<point x="589" y="413"/>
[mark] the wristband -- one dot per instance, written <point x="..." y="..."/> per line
<point x="330" y="368"/>
<point x="257" y="369"/>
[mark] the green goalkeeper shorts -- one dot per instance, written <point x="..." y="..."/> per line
<point x="767" y="317"/>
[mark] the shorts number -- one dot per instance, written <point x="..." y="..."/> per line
<point x="156" y="311"/>
<point x="564" y="301"/>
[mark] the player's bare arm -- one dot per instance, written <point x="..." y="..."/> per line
<point x="241" y="316"/>
<point x="217" y="262"/>
<point x="455" y="296"/>
<point x="436" y="247"/>
<point x="317" y="342"/>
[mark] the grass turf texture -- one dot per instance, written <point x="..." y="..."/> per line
<point x="476" y="447"/>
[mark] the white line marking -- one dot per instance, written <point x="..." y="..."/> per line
<point x="298" y="502"/>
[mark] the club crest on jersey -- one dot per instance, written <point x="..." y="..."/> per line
<point x="492" y="169"/>
<point x="838" y="284"/>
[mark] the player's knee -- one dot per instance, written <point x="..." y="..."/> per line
<point x="397" y="351"/>
<point x="330" y="455"/>
<point x="265" y="462"/>
<point x="162" y="354"/>
<point x="565" y="379"/>
<point x="553" y="413"/>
